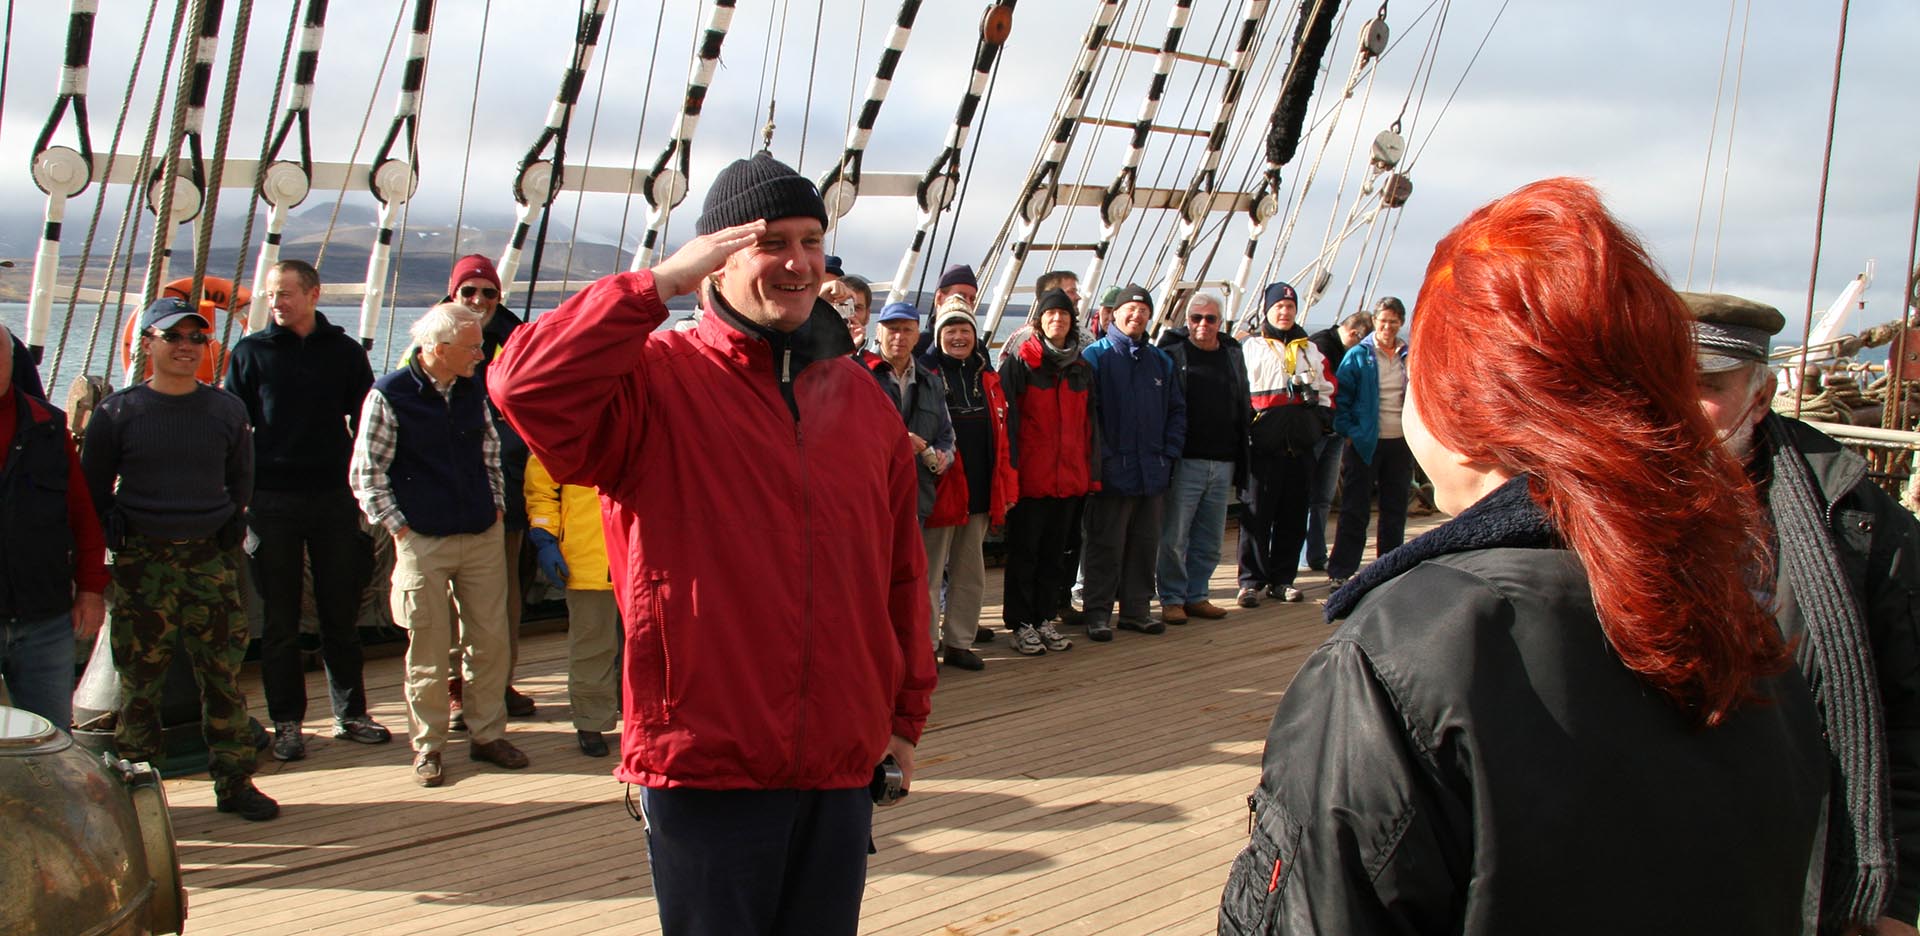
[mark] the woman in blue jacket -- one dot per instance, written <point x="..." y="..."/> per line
<point x="1373" y="387"/>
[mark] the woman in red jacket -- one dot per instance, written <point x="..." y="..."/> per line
<point x="976" y="492"/>
<point x="1049" y="391"/>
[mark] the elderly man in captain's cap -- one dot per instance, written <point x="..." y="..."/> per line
<point x="1844" y="589"/>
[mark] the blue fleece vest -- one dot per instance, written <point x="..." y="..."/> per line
<point x="439" y="471"/>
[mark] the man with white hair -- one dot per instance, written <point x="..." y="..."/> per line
<point x="427" y="468"/>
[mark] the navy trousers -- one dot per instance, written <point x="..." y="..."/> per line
<point x="758" y="862"/>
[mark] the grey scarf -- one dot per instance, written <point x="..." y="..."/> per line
<point x="1837" y="659"/>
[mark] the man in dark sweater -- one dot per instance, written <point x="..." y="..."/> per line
<point x="182" y="459"/>
<point x="1213" y="376"/>
<point x="303" y="380"/>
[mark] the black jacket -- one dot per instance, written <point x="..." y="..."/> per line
<point x="1174" y="342"/>
<point x="303" y="396"/>
<point x="1876" y="539"/>
<point x="1328" y="341"/>
<point x="1467" y="755"/>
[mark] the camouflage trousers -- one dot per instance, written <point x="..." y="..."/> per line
<point x="190" y="593"/>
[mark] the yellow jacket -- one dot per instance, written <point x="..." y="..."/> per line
<point x="572" y="514"/>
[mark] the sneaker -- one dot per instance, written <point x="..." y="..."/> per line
<point x="288" y="745"/>
<point x="426" y="769"/>
<point x="592" y="743"/>
<point x="519" y="704"/>
<point x="1026" y="639"/>
<point x="1148" y="626"/>
<point x="1098" y="629"/>
<point x="1205" y="610"/>
<point x="962" y="658"/>
<point x="1290" y="593"/>
<point x="250" y="803"/>
<point x="499" y="752"/>
<point x="1051" y="638"/>
<point x="362" y="729"/>
<point x="983" y="635"/>
<point x="1248" y="598"/>
<point x="1173" y="614"/>
<point x="1336" y="582"/>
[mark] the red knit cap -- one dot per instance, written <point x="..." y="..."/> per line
<point x="472" y="266"/>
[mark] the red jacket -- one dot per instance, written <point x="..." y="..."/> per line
<point x="950" y="499"/>
<point x="769" y="569"/>
<point x="1051" y="422"/>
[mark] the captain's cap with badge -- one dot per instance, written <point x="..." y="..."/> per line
<point x="1729" y="331"/>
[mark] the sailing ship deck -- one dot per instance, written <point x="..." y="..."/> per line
<point x="1101" y="790"/>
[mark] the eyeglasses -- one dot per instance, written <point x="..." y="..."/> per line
<point x="488" y="292"/>
<point x="1204" y="319"/>
<point x="474" y="349"/>
<point x="170" y="337"/>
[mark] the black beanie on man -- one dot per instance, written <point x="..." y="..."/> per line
<point x="759" y="188"/>
<point x="1054" y="299"/>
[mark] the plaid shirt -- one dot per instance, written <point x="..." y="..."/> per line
<point x="373" y="455"/>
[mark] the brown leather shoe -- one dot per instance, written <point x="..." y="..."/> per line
<point x="426" y="770"/>
<point x="499" y="752"/>
<point x="1173" y="614"/>
<point x="1206" y="610"/>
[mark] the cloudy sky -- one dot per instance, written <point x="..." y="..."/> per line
<point x="1623" y="94"/>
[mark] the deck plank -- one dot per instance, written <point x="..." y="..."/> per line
<point x="1100" y="790"/>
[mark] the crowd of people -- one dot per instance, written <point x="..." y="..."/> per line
<point x="1664" y="623"/>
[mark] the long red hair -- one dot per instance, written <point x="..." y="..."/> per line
<point x="1558" y="351"/>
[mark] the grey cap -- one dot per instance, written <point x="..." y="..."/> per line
<point x="167" y="310"/>
<point x="1729" y="331"/>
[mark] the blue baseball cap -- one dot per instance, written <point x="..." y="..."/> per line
<point x="898" y="312"/>
<point x="164" y="312"/>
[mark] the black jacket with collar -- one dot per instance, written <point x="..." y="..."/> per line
<point x="303" y="396"/>
<point x="1175" y="342"/>
<point x="1878" y="542"/>
<point x="1467" y="755"/>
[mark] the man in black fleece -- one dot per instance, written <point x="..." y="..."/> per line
<point x="304" y="380"/>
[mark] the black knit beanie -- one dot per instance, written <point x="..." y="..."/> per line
<point x="1133" y="293"/>
<point x="759" y="188"/>
<point x="1053" y="299"/>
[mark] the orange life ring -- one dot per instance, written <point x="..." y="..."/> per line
<point x="216" y="294"/>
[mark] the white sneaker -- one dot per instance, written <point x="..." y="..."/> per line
<point x="1027" y="640"/>
<point x="1053" y="639"/>
<point x="1290" y="593"/>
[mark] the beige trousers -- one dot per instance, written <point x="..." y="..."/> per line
<point x="593" y="644"/>
<point x="423" y="568"/>
<point x="955" y="554"/>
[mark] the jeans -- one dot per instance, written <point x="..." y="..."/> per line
<point x="765" y="862"/>
<point x="1392" y="469"/>
<point x="321" y="527"/>
<point x="36" y="663"/>
<point x="1196" y="519"/>
<point x="1326" y="477"/>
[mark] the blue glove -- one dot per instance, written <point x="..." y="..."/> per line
<point x="547" y="555"/>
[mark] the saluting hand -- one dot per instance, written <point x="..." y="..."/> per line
<point x="698" y="258"/>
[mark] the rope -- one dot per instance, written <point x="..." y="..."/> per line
<point x="633" y="168"/>
<point x="1456" y="85"/>
<point x="223" y="128"/>
<point x="99" y="202"/>
<point x="473" y="113"/>
<point x="1726" y="165"/>
<point x="260" y="172"/>
<point x="813" y="67"/>
<point x="393" y="289"/>
<point x="559" y="165"/>
<point x="760" y="93"/>
<point x="853" y="94"/>
<point x="973" y="159"/>
<point x="1713" y="137"/>
<point x="593" y="130"/>
<point x="1820" y="214"/>
<point x="373" y="98"/>
<point x="6" y="64"/>
<point x="163" y="215"/>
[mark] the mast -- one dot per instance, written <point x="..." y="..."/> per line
<point x="840" y="187"/>
<point x="60" y="171"/>
<point x="393" y="181"/>
<point x="284" y="184"/>
<point x="666" y="185"/>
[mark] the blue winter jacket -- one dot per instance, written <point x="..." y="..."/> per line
<point x="1142" y="414"/>
<point x="1356" y="405"/>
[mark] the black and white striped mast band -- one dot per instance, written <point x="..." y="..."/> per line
<point x="1042" y="191"/>
<point x="1118" y="201"/>
<point x="1205" y="185"/>
<point x="284" y="184"/>
<point x="60" y="171"/>
<point x="937" y="188"/>
<point x="542" y="171"/>
<point x="840" y="187"/>
<point x="666" y="185"/>
<point x="393" y="181"/>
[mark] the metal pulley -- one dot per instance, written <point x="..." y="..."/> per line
<point x="534" y="185"/>
<point x="284" y="184"/>
<point x="997" y="24"/>
<point x="61" y="171"/>
<point x="1374" y="36"/>
<point x="1321" y="281"/>
<point x="1039" y="203"/>
<point x="394" y="180"/>
<point x="666" y="187"/>
<point x="186" y="197"/>
<point x="1397" y="189"/>
<point x="1117" y="203"/>
<point x="935" y="192"/>
<point x="1196" y="206"/>
<point x="840" y="191"/>
<point x="1388" y="148"/>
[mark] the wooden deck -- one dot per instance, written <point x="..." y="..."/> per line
<point x="1100" y="790"/>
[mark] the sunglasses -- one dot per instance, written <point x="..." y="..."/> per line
<point x="196" y="338"/>
<point x="488" y="292"/>
<point x="1204" y="319"/>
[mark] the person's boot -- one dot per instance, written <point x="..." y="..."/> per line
<point x="250" y="803"/>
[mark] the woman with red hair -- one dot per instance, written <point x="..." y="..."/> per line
<point x="1566" y="710"/>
